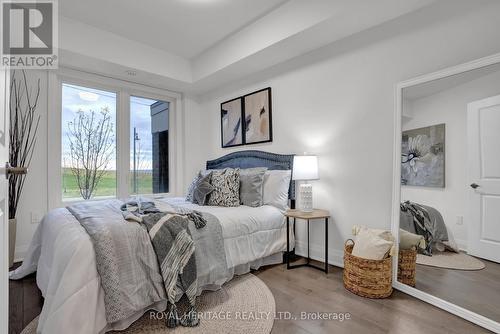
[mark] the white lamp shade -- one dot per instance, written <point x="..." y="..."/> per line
<point x="305" y="167"/>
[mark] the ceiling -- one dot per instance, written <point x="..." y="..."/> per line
<point x="183" y="27"/>
<point x="436" y="86"/>
<point x="195" y="46"/>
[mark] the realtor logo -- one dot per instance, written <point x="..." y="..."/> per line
<point x="29" y="34"/>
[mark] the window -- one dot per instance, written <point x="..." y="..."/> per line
<point x="88" y="142"/>
<point x="112" y="139"/>
<point x="149" y="122"/>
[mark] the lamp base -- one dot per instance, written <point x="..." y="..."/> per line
<point x="305" y="193"/>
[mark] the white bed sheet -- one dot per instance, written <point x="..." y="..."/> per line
<point x="62" y="254"/>
<point x="249" y="233"/>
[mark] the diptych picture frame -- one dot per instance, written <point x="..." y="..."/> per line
<point x="247" y="119"/>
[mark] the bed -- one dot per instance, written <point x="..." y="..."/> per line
<point x="428" y="222"/>
<point x="62" y="253"/>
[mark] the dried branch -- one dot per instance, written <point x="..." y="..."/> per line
<point x="24" y="122"/>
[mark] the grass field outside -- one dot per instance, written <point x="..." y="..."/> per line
<point x="107" y="185"/>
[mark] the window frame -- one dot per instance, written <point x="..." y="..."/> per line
<point x="123" y="90"/>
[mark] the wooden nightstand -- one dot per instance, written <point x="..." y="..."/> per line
<point x="315" y="214"/>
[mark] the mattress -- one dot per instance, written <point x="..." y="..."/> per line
<point x="62" y="254"/>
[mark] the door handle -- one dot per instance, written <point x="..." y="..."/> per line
<point x="9" y="170"/>
<point x="474" y="185"/>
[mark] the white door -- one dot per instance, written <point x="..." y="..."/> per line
<point x="4" y="219"/>
<point x="483" y="121"/>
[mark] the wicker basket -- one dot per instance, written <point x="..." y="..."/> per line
<point x="367" y="278"/>
<point x="407" y="263"/>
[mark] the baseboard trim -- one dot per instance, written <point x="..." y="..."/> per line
<point x="20" y="253"/>
<point x="462" y="244"/>
<point x="316" y="252"/>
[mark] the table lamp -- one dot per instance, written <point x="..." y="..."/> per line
<point x="305" y="168"/>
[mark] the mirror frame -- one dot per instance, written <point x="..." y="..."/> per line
<point x="396" y="192"/>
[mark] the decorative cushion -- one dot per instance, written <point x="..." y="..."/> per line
<point x="226" y="183"/>
<point x="251" y="186"/>
<point x="369" y="245"/>
<point x="202" y="189"/>
<point x="409" y="240"/>
<point x="384" y="234"/>
<point x="199" y="175"/>
<point x="276" y="185"/>
<point x="189" y="195"/>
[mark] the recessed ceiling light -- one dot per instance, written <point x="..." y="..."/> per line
<point x="88" y="96"/>
<point x="201" y="1"/>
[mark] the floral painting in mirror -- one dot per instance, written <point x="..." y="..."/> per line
<point x="423" y="157"/>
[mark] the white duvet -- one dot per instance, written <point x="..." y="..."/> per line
<point x="62" y="254"/>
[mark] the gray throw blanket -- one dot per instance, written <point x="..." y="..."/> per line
<point x="174" y="246"/>
<point x="127" y="260"/>
<point x="133" y="210"/>
<point x="423" y="220"/>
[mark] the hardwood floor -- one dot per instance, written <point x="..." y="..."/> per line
<point x="310" y="290"/>
<point x="302" y="290"/>
<point x="478" y="291"/>
<point x="25" y="302"/>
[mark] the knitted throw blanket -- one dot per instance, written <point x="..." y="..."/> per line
<point x="174" y="248"/>
<point x="428" y="223"/>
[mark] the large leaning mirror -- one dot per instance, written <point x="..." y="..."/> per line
<point x="449" y="190"/>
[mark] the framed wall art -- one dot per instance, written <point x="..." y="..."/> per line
<point x="258" y="117"/>
<point x="423" y="157"/>
<point x="231" y="122"/>
<point x="247" y="119"/>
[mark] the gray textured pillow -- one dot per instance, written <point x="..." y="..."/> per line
<point x="227" y="188"/>
<point x="251" y="186"/>
<point x="202" y="189"/>
<point x="189" y="195"/>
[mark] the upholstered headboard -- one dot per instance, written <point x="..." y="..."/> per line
<point x="252" y="158"/>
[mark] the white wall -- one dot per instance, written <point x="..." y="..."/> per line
<point x="338" y="102"/>
<point x="450" y="107"/>
<point x="193" y="159"/>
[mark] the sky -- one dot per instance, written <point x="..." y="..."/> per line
<point x="75" y="98"/>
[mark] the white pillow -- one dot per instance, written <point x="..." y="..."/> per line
<point x="384" y="234"/>
<point x="369" y="245"/>
<point x="276" y="185"/>
<point x="409" y="240"/>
